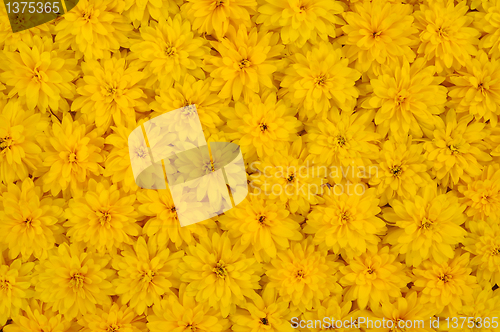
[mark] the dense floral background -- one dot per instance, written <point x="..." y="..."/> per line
<point x="389" y="109"/>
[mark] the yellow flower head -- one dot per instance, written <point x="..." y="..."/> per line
<point x="29" y="220"/>
<point x="447" y="39"/>
<point x="73" y="280"/>
<point x="487" y="21"/>
<point x="428" y="226"/>
<point x="220" y="273"/>
<point x="301" y="20"/>
<point x="304" y="275"/>
<point x="245" y="62"/>
<point x="320" y="79"/>
<point x="347" y="221"/>
<point x="146" y="272"/>
<point x="113" y="318"/>
<point x="15" y="288"/>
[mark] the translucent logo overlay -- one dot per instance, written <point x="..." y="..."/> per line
<point x="205" y="179"/>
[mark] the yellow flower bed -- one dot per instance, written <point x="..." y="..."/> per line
<point x="372" y="145"/>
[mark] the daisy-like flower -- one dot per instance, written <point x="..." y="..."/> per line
<point x="262" y="126"/>
<point x="401" y="169"/>
<point x="428" y="226"/>
<point x="146" y="272"/>
<point x="346" y="222"/>
<point x="379" y="32"/>
<point x="481" y="195"/>
<point x="15" y="288"/>
<point x="214" y="17"/>
<point x="401" y="311"/>
<point x="109" y="92"/>
<point x="72" y="152"/>
<point x="29" y="220"/>
<point x="345" y="142"/>
<point x="446" y="286"/>
<point x="477" y="88"/>
<point x="320" y="79"/>
<point x="113" y="318"/>
<point x="486" y="21"/>
<point x="73" y="280"/>
<point x="169" y="49"/>
<point x="245" y="63"/>
<point x="39" y="317"/>
<point x="163" y="225"/>
<point x="190" y="91"/>
<point x="219" y="273"/>
<point x="457" y="148"/>
<point x="39" y="75"/>
<point x="447" y="38"/>
<point x="266" y="225"/>
<point x="104" y="217"/>
<point x="334" y="309"/>
<point x="303" y="275"/>
<point x="94" y="28"/>
<point x="406" y="98"/>
<point x="290" y="177"/>
<point x="483" y="242"/>
<point x="266" y="312"/>
<point x="373" y="278"/>
<point x="19" y="148"/>
<point x="302" y="20"/>
<point x="183" y="313"/>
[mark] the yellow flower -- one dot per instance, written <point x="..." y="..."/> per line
<point x="483" y="241"/>
<point x="183" y="313"/>
<point x="266" y="225"/>
<point x="477" y="88"/>
<point x="109" y="92"/>
<point x="301" y="20"/>
<point x="287" y="175"/>
<point x="345" y="143"/>
<point x="29" y="220"/>
<point x="72" y="154"/>
<point x="445" y="286"/>
<point x="263" y="126"/>
<point x="320" y="79"/>
<point x="15" y="288"/>
<point x="347" y="221"/>
<point x="73" y="280"/>
<point x="266" y="312"/>
<point x="481" y="195"/>
<point x="304" y="275"/>
<point x="104" y="217"/>
<point x="216" y="16"/>
<point x="374" y="278"/>
<point x="94" y="28"/>
<point x="146" y="272"/>
<point x="401" y="170"/>
<point x="164" y="226"/>
<point x="407" y="98"/>
<point x="245" y="63"/>
<point x="486" y="21"/>
<point x="113" y="318"/>
<point x="169" y="49"/>
<point x="379" y="32"/>
<point x="19" y="148"/>
<point x="189" y="91"/>
<point x="447" y="38"/>
<point x="457" y="148"/>
<point x="219" y="273"/>
<point x="39" y="317"/>
<point x="39" y="74"/>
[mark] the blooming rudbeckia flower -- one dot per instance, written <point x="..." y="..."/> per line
<point x="39" y="316"/>
<point x="15" y="288"/>
<point x="113" y="317"/>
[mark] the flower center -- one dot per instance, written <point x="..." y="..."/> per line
<point x="263" y="127"/>
<point x="264" y="321"/>
<point x="345" y="216"/>
<point x="426" y="224"/>
<point x="220" y="270"/>
<point x="37" y="77"/>
<point x="370" y="270"/>
<point x="321" y="80"/>
<point x="454" y="148"/>
<point x="141" y="152"/>
<point x="87" y="15"/>
<point x="376" y="34"/>
<point x="341" y="140"/>
<point x="444" y="277"/>
<point x="147" y="276"/>
<point x="219" y="3"/>
<point x="112" y="328"/>
<point x="244" y="63"/>
<point x="28" y="221"/>
<point x="442" y="32"/>
<point x="111" y="91"/>
<point x="104" y="217"/>
<point x="5" y="143"/>
<point x="495" y="251"/>
<point x="72" y="157"/>
<point x="5" y="285"/>
<point x="290" y="178"/>
<point x="300" y="274"/>
<point x="170" y="50"/>
<point x="262" y="219"/>
<point x="77" y="280"/>
<point x="396" y="171"/>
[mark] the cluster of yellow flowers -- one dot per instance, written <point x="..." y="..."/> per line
<point x="371" y="137"/>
